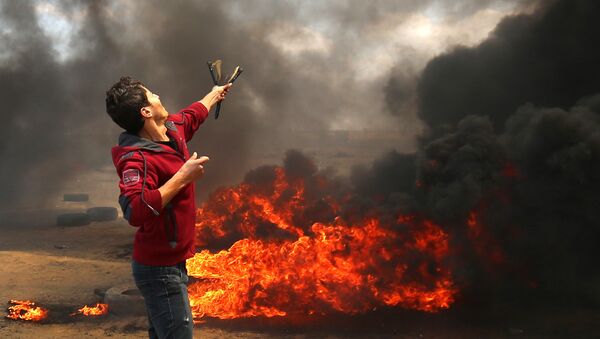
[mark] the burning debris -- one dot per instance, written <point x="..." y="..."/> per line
<point x="26" y="310"/>
<point x="297" y="244"/>
<point x="93" y="311"/>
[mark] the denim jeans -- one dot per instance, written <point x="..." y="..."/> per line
<point x="164" y="289"/>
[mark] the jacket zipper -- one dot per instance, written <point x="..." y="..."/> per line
<point x="171" y="221"/>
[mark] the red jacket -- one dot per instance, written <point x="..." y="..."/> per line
<point x="166" y="236"/>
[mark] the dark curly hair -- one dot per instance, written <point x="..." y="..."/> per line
<point x="124" y="100"/>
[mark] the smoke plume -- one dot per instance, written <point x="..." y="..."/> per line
<point x="59" y="58"/>
<point x="509" y="163"/>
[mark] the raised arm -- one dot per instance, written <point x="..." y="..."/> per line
<point x="217" y="94"/>
<point x="194" y="115"/>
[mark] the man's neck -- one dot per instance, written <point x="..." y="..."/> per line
<point x="154" y="132"/>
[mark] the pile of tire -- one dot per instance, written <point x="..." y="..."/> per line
<point x="85" y="218"/>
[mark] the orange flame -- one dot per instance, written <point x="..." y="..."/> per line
<point x="332" y="266"/>
<point x="99" y="309"/>
<point x="26" y="310"/>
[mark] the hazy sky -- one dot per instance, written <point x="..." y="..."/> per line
<point x="309" y="66"/>
<point x="351" y="47"/>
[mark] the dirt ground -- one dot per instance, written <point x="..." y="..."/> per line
<point x="61" y="267"/>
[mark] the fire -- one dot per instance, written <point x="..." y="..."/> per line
<point x="26" y="310"/>
<point x="293" y="252"/>
<point x="99" y="309"/>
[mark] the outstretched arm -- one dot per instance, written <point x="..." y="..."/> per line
<point x="194" y="115"/>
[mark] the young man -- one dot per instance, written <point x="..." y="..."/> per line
<point x="157" y="177"/>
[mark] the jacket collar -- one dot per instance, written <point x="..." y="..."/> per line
<point x="171" y="126"/>
<point x="127" y="139"/>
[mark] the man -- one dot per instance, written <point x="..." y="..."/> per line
<point x="157" y="177"/>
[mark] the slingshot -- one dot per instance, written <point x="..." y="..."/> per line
<point x="215" y="73"/>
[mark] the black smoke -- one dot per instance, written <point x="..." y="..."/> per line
<point x="513" y="145"/>
<point x="558" y="154"/>
<point x="548" y="58"/>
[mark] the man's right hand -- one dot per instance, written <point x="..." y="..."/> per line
<point x="217" y="94"/>
<point x="193" y="169"/>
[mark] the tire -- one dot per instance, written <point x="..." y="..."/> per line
<point x="125" y="300"/>
<point x="73" y="219"/>
<point x="102" y="213"/>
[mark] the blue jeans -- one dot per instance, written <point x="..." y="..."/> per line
<point x="164" y="289"/>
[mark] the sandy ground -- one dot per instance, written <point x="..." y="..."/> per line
<point x="61" y="267"/>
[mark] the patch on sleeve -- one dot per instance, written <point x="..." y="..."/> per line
<point x="131" y="177"/>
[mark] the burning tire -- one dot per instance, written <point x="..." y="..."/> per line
<point x="76" y="197"/>
<point x="73" y="219"/>
<point x="125" y="300"/>
<point x="102" y="213"/>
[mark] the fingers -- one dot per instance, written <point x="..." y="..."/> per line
<point x="198" y="161"/>
<point x="203" y="159"/>
<point x="225" y="88"/>
<point x="221" y="89"/>
<point x="225" y="91"/>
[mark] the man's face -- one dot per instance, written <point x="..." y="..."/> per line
<point x="158" y="111"/>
